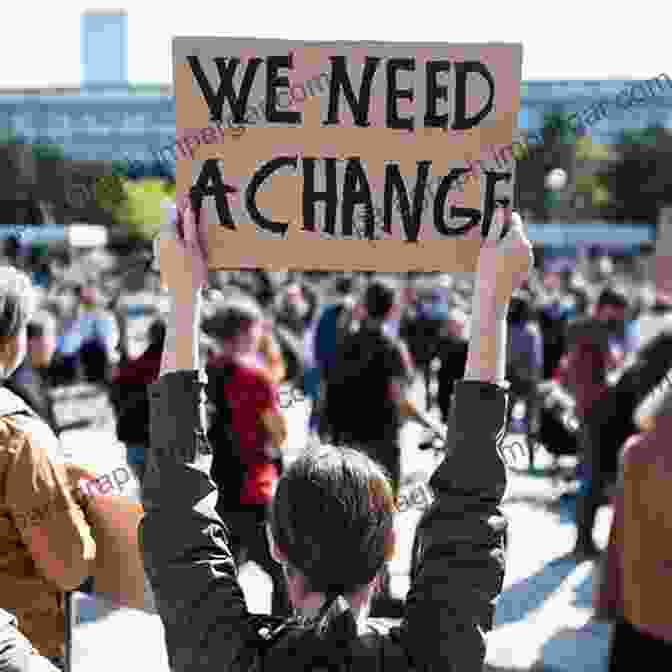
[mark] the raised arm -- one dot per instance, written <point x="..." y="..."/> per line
<point x="184" y="545"/>
<point x="458" y="570"/>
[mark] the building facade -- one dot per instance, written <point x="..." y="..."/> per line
<point x="134" y="123"/>
<point x="104" y="51"/>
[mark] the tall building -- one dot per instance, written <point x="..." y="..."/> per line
<point x="104" y="48"/>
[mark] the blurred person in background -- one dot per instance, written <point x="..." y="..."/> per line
<point x="612" y="310"/>
<point x="31" y="380"/>
<point x="333" y="323"/>
<point x="369" y="385"/>
<point x="46" y="547"/>
<point x="453" y="356"/>
<point x="270" y="354"/>
<point x="297" y="306"/>
<point x="525" y="369"/>
<point x="247" y="432"/>
<point x="554" y="312"/>
<point x="129" y="397"/>
<point x="421" y="329"/>
<point x="88" y="346"/>
<point x="655" y="317"/>
<point x="597" y="348"/>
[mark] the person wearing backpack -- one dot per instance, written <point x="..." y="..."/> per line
<point x="46" y="544"/>
<point x="247" y="433"/>
<point x="332" y="517"/>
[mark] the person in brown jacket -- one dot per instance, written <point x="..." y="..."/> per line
<point x="46" y="547"/>
<point x="635" y="590"/>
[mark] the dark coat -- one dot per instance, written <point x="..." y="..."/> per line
<point x="457" y="573"/>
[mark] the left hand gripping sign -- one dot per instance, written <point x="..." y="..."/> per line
<point x="341" y="142"/>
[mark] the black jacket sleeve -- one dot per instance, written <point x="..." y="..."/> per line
<point x="183" y="541"/>
<point x="458" y="571"/>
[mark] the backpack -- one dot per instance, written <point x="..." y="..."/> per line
<point x="227" y="470"/>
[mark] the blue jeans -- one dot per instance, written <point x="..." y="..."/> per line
<point x="135" y="456"/>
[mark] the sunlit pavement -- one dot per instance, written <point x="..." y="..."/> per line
<point x="544" y="614"/>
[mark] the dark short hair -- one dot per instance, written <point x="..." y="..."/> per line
<point x="17" y="301"/>
<point x="379" y="298"/>
<point x="615" y="298"/>
<point x="345" y="285"/>
<point x="332" y="504"/>
<point x="231" y="317"/>
<point x="39" y="323"/>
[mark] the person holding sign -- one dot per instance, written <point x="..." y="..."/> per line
<point x="332" y="516"/>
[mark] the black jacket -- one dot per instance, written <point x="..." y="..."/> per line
<point x="457" y="573"/>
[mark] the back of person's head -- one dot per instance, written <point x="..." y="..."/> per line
<point x="332" y="519"/>
<point x="345" y="285"/>
<point x="612" y="297"/>
<point x="232" y="317"/>
<point x="41" y="323"/>
<point x="581" y="301"/>
<point x="42" y="330"/>
<point x="379" y="299"/>
<point x="17" y="303"/>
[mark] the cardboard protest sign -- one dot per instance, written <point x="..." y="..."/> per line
<point x="345" y="156"/>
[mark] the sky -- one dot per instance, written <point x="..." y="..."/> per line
<point x="566" y="39"/>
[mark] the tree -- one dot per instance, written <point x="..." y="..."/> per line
<point x="142" y="210"/>
<point x="555" y="148"/>
<point x="639" y="180"/>
<point x="591" y="194"/>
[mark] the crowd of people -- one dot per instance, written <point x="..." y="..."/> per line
<point x="587" y="347"/>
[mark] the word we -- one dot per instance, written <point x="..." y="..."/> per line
<point x="86" y="488"/>
<point x="214" y="134"/>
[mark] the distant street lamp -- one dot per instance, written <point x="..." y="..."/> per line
<point x="554" y="183"/>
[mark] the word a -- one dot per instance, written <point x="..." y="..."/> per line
<point x="39" y="514"/>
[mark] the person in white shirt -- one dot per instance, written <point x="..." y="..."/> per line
<point x="90" y="341"/>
